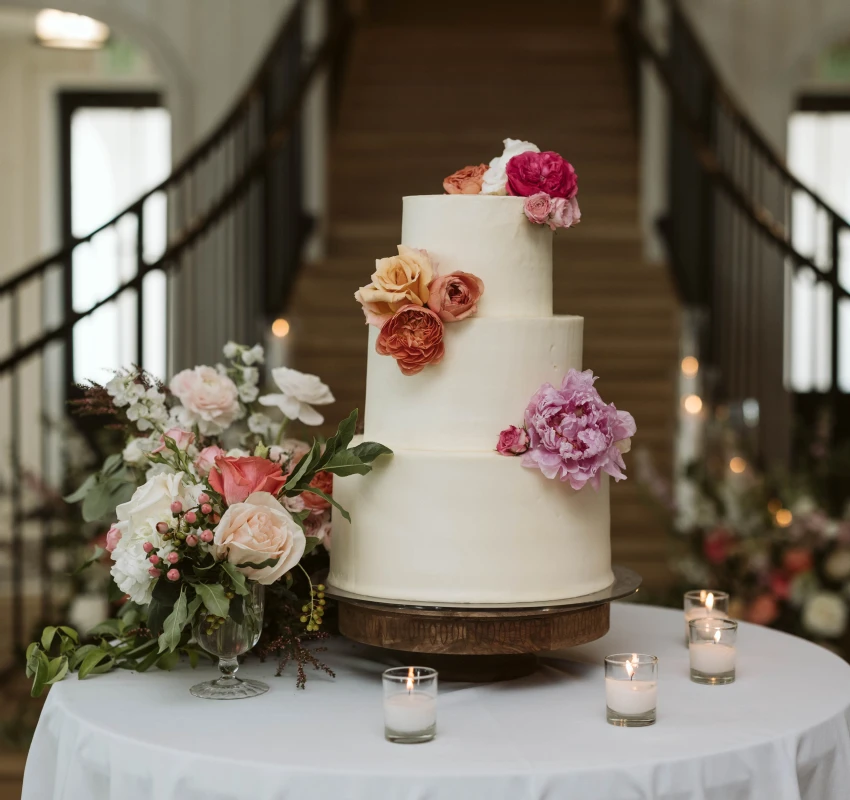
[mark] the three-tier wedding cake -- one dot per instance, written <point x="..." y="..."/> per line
<point x="463" y="344"/>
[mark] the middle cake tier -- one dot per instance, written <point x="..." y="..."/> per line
<point x="490" y="370"/>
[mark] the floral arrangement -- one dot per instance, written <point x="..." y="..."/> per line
<point x="780" y="549"/>
<point x="547" y="181"/>
<point x="409" y="303"/>
<point x="571" y="434"/>
<point x="208" y="498"/>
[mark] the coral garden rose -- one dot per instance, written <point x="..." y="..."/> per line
<point x="413" y="337"/>
<point x="256" y="530"/>
<point x="210" y="400"/>
<point x="182" y="439"/>
<point x="396" y="282"/>
<point x="495" y="179"/>
<point x="299" y="392"/>
<point x="465" y="181"/>
<point x="236" y="478"/>
<point x="513" y="441"/>
<point x="455" y="296"/>
<point x="573" y="434"/>
<point x="205" y="460"/>
<point x="324" y="482"/>
<point x="529" y="173"/>
<point x="537" y="208"/>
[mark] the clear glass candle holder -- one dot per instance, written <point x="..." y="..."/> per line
<point x="410" y="704"/>
<point x="631" y="689"/>
<point x="712" y="649"/>
<point x="702" y="603"/>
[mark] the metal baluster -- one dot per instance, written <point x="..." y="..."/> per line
<point x="140" y="295"/>
<point x="17" y="516"/>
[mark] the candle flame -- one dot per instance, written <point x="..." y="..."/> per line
<point x="410" y="678"/>
<point x="632" y="665"/>
<point x="717" y="636"/>
<point x="709" y="601"/>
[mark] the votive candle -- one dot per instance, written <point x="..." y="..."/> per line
<point x="702" y="603"/>
<point x="712" y="644"/>
<point x="631" y="689"/>
<point x="410" y="704"/>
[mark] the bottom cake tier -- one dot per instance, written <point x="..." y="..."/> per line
<point x="468" y="527"/>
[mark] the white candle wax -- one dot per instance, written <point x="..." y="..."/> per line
<point x="712" y="658"/>
<point x="410" y="712"/>
<point x="697" y="612"/>
<point x="631" y="697"/>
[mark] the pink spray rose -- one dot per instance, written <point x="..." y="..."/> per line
<point x="529" y="173"/>
<point x="564" y="213"/>
<point x="180" y="437"/>
<point x="573" y="434"/>
<point x="537" y="208"/>
<point x="455" y="296"/>
<point x="236" y="478"/>
<point x="206" y="459"/>
<point x="113" y="536"/>
<point x="513" y="441"/>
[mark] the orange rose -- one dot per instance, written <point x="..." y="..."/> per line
<point x="413" y="337"/>
<point x="397" y="281"/>
<point x="465" y="181"/>
<point x="324" y="482"/>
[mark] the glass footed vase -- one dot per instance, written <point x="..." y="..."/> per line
<point x="228" y="641"/>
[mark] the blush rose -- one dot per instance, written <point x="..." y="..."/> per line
<point x="206" y="459"/>
<point x="537" y="208"/>
<point x="465" y="181"/>
<point x="413" y="337"/>
<point x="455" y="296"/>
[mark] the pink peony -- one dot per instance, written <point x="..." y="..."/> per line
<point x="180" y="437"/>
<point x="455" y="296"/>
<point x="206" y="459"/>
<point x="530" y="173"/>
<point x="113" y="536"/>
<point x="413" y="337"/>
<point x="236" y="478"/>
<point x="565" y="213"/>
<point x="573" y="434"/>
<point x="513" y="441"/>
<point x="537" y="208"/>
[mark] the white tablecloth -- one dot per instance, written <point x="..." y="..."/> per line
<point x="781" y="732"/>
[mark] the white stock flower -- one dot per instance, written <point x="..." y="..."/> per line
<point x="231" y="350"/>
<point x="248" y="393"/>
<point x="496" y="179"/>
<point x="299" y="393"/>
<point x="253" y="356"/>
<point x="124" y="390"/>
<point x="825" y="614"/>
<point x="136" y="451"/>
<point x="259" y="424"/>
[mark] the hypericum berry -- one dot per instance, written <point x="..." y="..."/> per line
<point x="321" y="587"/>
<point x="303" y="619"/>
<point x="176" y="507"/>
<point x="162" y="527"/>
<point x="154" y="559"/>
<point x="191" y="517"/>
<point x="191" y="540"/>
<point x="173" y="575"/>
<point x="203" y="497"/>
<point x="147" y="547"/>
<point x="207" y="536"/>
<point x="206" y="508"/>
<point x="154" y="572"/>
<point x="172" y="558"/>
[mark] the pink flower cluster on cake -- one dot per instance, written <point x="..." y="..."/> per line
<point x="547" y="181"/>
<point x="571" y="434"/>
<point x="409" y="302"/>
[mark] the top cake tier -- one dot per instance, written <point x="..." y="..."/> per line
<point x="491" y="238"/>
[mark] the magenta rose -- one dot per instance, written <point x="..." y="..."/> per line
<point x="564" y="213"/>
<point x="513" y="441"/>
<point x="573" y="434"/>
<point x="455" y="296"/>
<point x="531" y="173"/>
<point x="537" y="208"/>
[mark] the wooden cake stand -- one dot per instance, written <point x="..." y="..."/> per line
<point x="481" y="642"/>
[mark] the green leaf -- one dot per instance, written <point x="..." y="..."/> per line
<point x="40" y="672"/>
<point x="47" y="636"/>
<point x="194" y="605"/>
<point x="80" y="655"/>
<point x="237" y="610"/>
<point x="269" y="562"/>
<point x="109" y="627"/>
<point x="213" y="597"/>
<point x="236" y="578"/>
<point x="113" y="464"/>
<point x="367" y="452"/>
<point x="174" y="623"/>
<point x="157" y="612"/>
<point x="314" y="490"/>
<point x="93" y="660"/>
<point x="304" y="467"/>
<point x="86" y="486"/>
<point x="95" y="556"/>
<point x="149" y="660"/>
<point x="58" y="670"/>
<point x="312" y="542"/>
<point x="70" y="633"/>
<point x="340" y="440"/>
<point x="194" y="657"/>
<point x="357" y="460"/>
<point x="31" y="659"/>
<point x="168" y="661"/>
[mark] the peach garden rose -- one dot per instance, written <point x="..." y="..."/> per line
<point x="397" y="281"/>
<point x="465" y="181"/>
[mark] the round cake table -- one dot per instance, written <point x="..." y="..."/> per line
<point x="782" y="731"/>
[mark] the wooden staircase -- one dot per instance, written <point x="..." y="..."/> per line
<point x="433" y="87"/>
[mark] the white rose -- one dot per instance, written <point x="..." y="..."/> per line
<point x="837" y="566"/>
<point x="496" y="179"/>
<point x="211" y="400"/>
<point x="825" y="614"/>
<point x="255" y="531"/>
<point x="299" y="393"/>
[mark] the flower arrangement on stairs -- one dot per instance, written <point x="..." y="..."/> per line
<point x="210" y="502"/>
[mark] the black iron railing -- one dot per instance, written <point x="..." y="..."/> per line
<point x="237" y="224"/>
<point x="740" y="231"/>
